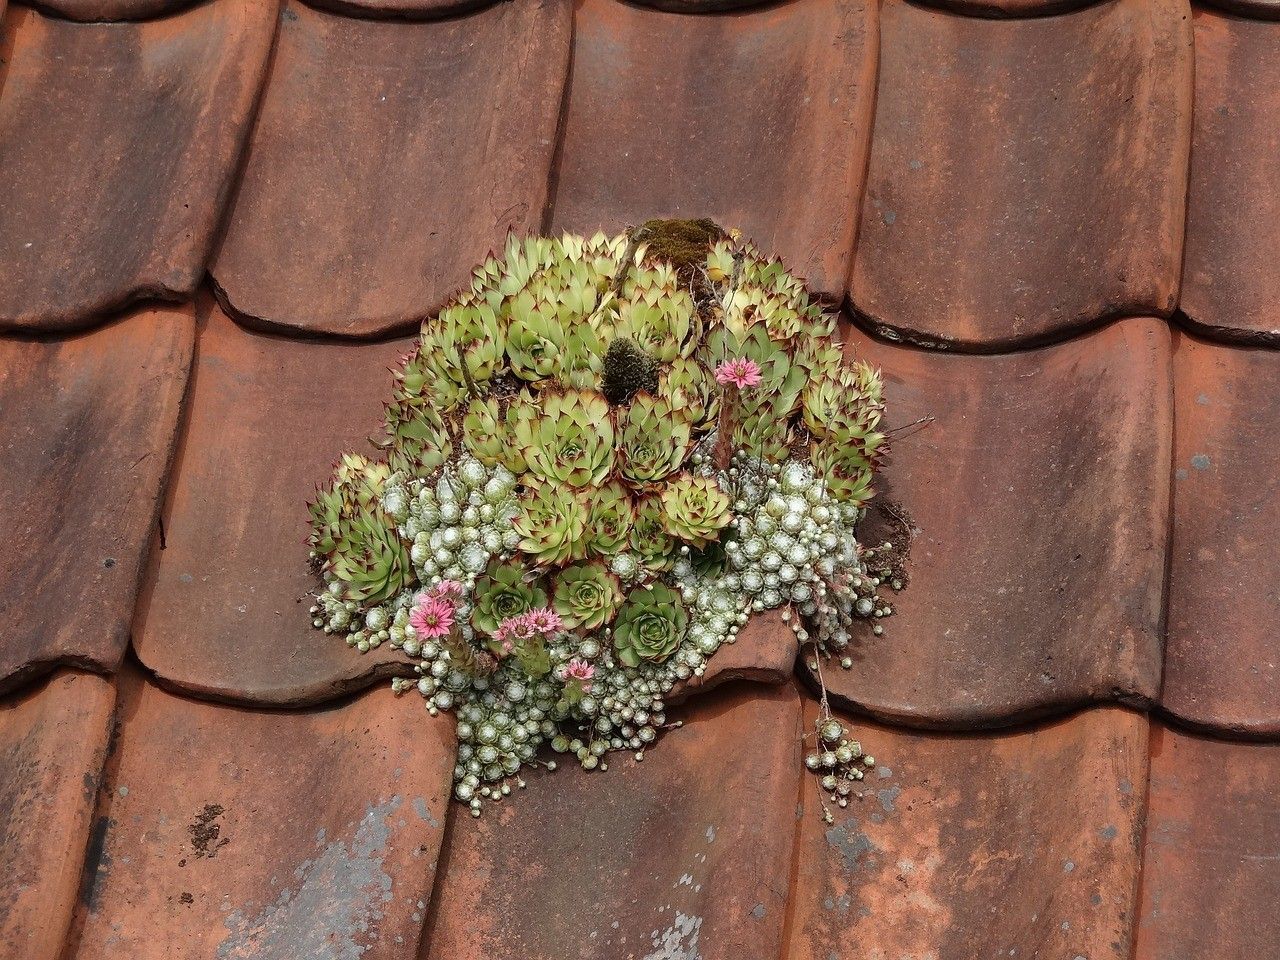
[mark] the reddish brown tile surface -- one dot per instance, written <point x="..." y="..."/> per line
<point x="1002" y="204"/>
<point x="1210" y="878"/>
<point x="124" y="139"/>
<point x="225" y="614"/>
<point x="53" y="740"/>
<point x="765" y="651"/>
<point x="110" y="10"/>
<point x="1011" y="845"/>
<point x="1222" y="659"/>
<point x="1230" y="286"/>
<point x="671" y="115"/>
<point x="389" y="158"/>
<point x="683" y="855"/>
<point x="87" y="430"/>
<point x="233" y="833"/>
<point x="1040" y="498"/>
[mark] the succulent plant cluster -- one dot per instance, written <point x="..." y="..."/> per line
<point x="603" y="457"/>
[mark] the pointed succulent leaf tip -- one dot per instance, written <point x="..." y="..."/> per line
<point x="651" y="625"/>
<point x="627" y="370"/>
<point x="586" y="595"/>
<point x="571" y="441"/>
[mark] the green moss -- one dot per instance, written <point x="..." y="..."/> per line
<point x="682" y="243"/>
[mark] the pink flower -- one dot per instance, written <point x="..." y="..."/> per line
<point x="741" y="373"/>
<point x="581" y="671"/>
<point x="432" y="618"/>
<point x="514" y="628"/>
<point x="448" y="590"/>
<point x="545" y="621"/>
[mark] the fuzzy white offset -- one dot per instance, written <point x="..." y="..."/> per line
<point x="604" y="457"/>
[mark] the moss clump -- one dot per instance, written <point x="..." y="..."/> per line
<point x="681" y="243"/>
<point x="627" y="370"/>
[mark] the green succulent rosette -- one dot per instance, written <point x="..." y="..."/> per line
<point x="369" y="560"/>
<point x="650" y="626"/>
<point x="610" y="517"/>
<point x="551" y="525"/>
<point x="586" y="595"/>
<point x="652" y="545"/>
<point x="694" y="509"/>
<point x="504" y="591"/>
<point x="571" y="440"/>
<point x="653" y="439"/>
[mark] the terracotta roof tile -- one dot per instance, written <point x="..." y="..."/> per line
<point x="668" y="115"/>
<point x="88" y="428"/>
<point x="387" y="159"/>
<point x="683" y="855"/>
<point x="53" y="740"/>
<point x="765" y="651"/>
<point x="250" y="833"/>
<point x="1002" y="206"/>
<point x="226" y="611"/>
<point x="1230" y="285"/>
<point x="1210" y="882"/>
<point x="1222" y="660"/>
<point x="1040" y="500"/>
<point x="124" y="139"/>
<point x="1021" y="845"/>
<point x="95" y="11"/>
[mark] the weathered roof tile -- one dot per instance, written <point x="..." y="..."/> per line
<point x="1230" y="287"/>
<point x="388" y="158"/>
<point x="234" y="833"/>
<point x="88" y="428"/>
<point x="53" y="741"/>
<point x="1040" y="497"/>
<point x="683" y="855"/>
<point x="1021" y="844"/>
<point x="1222" y="657"/>
<point x="1209" y="882"/>
<point x="124" y="140"/>
<point x="225" y="611"/>
<point x="672" y="115"/>
<point x="1002" y="205"/>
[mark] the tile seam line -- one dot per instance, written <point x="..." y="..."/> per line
<point x="50" y="13"/>
<point x="896" y="337"/>
<point x="1139" y="880"/>
<point x="1227" y="336"/>
<point x="1064" y="8"/>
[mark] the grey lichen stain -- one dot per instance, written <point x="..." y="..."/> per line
<point x="1108" y="832"/>
<point x="850" y="842"/>
<point x="1200" y="461"/>
<point x="424" y="813"/>
<point x="841" y="903"/>
<point x="333" y="906"/>
<point x="887" y="797"/>
<point x="679" y="941"/>
<point x="758" y="911"/>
